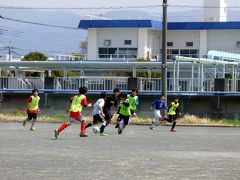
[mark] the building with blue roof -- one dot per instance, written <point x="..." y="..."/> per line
<point x="131" y="39"/>
<point x="142" y="38"/>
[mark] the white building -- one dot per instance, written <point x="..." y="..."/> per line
<point x="119" y="39"/>
<point x="213" y="14"/>
<point x="142" y="38"/>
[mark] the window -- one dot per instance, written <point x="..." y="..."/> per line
<point x="189" y="44"/>
<point x="171" y="53"/>
<point x="194" y="53"/>
<point x="238" y="44"/>
<point x="127" y="52"/>
<point x="127" y="42"/>
<point x="117" y="53"/>
<point x="184" y="52"/>
<point x="170" y="44"/>
<point x="225" y="10"/>
<point x="107" y="42"/>
<point x="107" y="52"/>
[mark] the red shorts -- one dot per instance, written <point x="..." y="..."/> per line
<point x="75" y="115"/>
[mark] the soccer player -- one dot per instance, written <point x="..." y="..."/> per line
<point x="32" y="109"/>
<point x="111" y="100"/>
<point x="76" y="104"/>
<point x="158" y="105"/>
<point x="173" y="112"/>
<point x="134" y="101"/>
<point x="124" y="113"/>
<point x="98" y="115"/>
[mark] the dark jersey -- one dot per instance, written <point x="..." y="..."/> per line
<point x="110" y="101"/>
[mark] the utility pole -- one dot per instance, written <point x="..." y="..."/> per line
<point x="9" y="52"/>
<point x="164" y="51"/>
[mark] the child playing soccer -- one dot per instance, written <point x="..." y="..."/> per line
<point x="76" y="104"/>
<point x="124" y="113"/>
<point x="32" y="109"/>
<point x="158" y="105"/>
<point x="134" y="101"/>
<point x="173" y="112"/>
<point x="111" y="100"/>
<point x="98" y="115"/>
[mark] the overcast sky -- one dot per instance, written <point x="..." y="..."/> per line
<point x="40" y="37"/>
<point x="110" y="3"/>
<point x="102" y="3"/>
<point x="82" y="3"/>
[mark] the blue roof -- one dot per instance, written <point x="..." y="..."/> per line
<point x="85" y="24"/>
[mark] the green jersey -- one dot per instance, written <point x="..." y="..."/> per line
<point x="133" y="100"/>
<point x="125" y="108"/>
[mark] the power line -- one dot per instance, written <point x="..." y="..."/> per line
<point x="54" y="40"/>
<point x="112" y="7"/>
<point x="36" y="23"/>
<point x="53" y="51"/>
<point x="3" y="28"/>
<point x="6" y="47"/>
<point x="12" y="29"/>
<point x="81" y="8"/>
<point x="204" y="7"/>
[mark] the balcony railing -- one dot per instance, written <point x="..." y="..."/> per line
<point x="109" y="83"/>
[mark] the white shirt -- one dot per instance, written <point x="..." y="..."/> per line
<point x="97" y="106"/>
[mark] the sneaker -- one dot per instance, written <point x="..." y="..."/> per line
<point x="24" y="123"/>
<point x="103" y="134"/>
<point x="151" y="127"/>
<point x="173" y="130"/>
<point x="120" y="131"/>
<point x="83" y="135"/>
<point x="32" y="129"/>
<point x="56" y="133"/>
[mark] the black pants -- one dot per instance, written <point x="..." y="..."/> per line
<point x="172" y="119"/>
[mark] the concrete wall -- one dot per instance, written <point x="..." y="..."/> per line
<point x="117" y="37"/>
<point x="224" y="40"/>
<point x="149" y="40"/>
<point x="215" y="14"/>
<point x="154" y="41"/>
<point x="202" y="106"/>
<point x="179" y="39"/>
<point x="142" y="42"/>
<point x="92" y="44"/>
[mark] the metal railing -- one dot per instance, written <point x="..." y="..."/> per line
<point x="122" y="57"/>
<point x="181" y="84"/>
<point x="92" y="83"/>
<point x="21" y="83"/>
<point x="109" y="83"/>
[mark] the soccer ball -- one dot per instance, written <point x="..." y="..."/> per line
<point x="96" y="129"/>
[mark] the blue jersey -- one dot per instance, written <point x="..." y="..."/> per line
<point x="159" y="104"/>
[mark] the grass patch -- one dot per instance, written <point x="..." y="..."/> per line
<point x="20" y="115"/>
<point x="191" y="119"/>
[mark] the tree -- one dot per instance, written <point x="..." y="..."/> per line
<point x="35" y="56"/>
<point x="83" y="46"/>
<point x="145" y="74"/>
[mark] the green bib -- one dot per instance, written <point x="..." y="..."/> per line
<point x="76" y="105"/>
<point x="132" y="101"/>
<point x="172" y="110"/>
<point x="33" y="105"/>
<point x="125" y="111"/>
